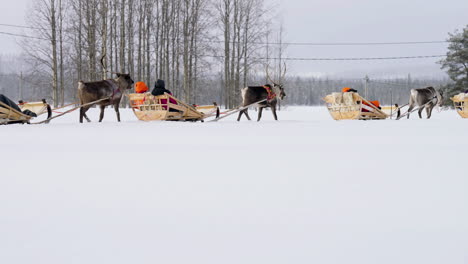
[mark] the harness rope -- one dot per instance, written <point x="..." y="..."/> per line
<point x="236" y="110"/>
<point x="71" y="110"/>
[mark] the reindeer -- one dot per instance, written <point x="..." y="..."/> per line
<point x="425" y="98"/>
<point x="111" y="88"/>
<point x="268" y="92"/>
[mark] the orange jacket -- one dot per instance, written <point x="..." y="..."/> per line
<point x="375" y="103"/>
<point x="140" y="87"/>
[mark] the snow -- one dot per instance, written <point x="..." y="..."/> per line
<point x="306" y="189"/>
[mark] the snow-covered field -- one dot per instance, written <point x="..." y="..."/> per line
<point x="306" y="189"/>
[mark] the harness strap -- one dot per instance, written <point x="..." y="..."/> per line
<point x="115" y="88"/>
<point x="271" y="95"/>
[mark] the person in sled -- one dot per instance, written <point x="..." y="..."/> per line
<point x="12" y="104"/>
<point x="371" y="107"/>
<point x="160" y="89"/>
<point x="141" y="87"/>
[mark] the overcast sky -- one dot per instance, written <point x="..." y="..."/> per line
<point x="340" y="21"/>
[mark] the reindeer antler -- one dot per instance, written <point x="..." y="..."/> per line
<point x="267" y="72"/>
<point x="281" y="76"/>
<point x="104" y="67"/>
<point x="284" y="72"/>
<point x="102" y="62"/>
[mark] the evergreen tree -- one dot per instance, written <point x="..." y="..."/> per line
<point x="456" y="62"/>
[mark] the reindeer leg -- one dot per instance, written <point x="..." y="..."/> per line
<point x="409" y="110"/>
<point x="260" y="110"/>
<point x="411" y="103"/>
<point x="273" y="110"/>
<point x="101" y="116"/>
<point x="240" y="115"/>
<point x="429" y="111"/>
<point x="116" y="107"/>
<point x="83" y="111"/>
<point x="87" y="118"/>
<point x="247" y="114"/>
<point x="420" y="112"/>
<point x="81" y="115"/>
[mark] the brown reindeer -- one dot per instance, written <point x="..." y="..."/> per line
<point x="112" y="88"/>
<point x="268" y="92"/>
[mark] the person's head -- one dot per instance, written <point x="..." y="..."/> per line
<point x="160" y="84"/>
<point x="140" y="87"/>
<point x="348" y="90"/>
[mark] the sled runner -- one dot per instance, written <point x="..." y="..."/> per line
<point x="147" y="107"/>
<point x="460" y="102"/>
<point x="351" y="106"/>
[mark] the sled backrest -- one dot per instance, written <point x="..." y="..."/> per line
<point x="38" y="108"/>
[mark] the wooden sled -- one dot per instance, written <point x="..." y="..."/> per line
<point x="460" y="102"/>
<point x="147" y="107"/>
<point x="350" y="106"/>
<point x="9" y="115"/>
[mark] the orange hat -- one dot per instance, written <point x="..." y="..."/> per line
<point x="346" y="89"/>
<point x="140" y="87"/>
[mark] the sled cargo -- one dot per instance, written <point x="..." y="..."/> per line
<point x="9" y="115"/>
<point x="147" y="107"/>
<point x="351" y="106"/>
<point x="460" y="102"/>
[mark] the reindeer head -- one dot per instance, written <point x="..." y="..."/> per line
<point x="277" y="86"/>
<point x="440" y="97"/>
<point x="280" y="91"/>
<point x="125" y="80"/>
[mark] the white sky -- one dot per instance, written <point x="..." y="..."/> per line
<point x="12" y="12"/>
<point x="340" y="21"/>
<point x="371" y="21"/>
